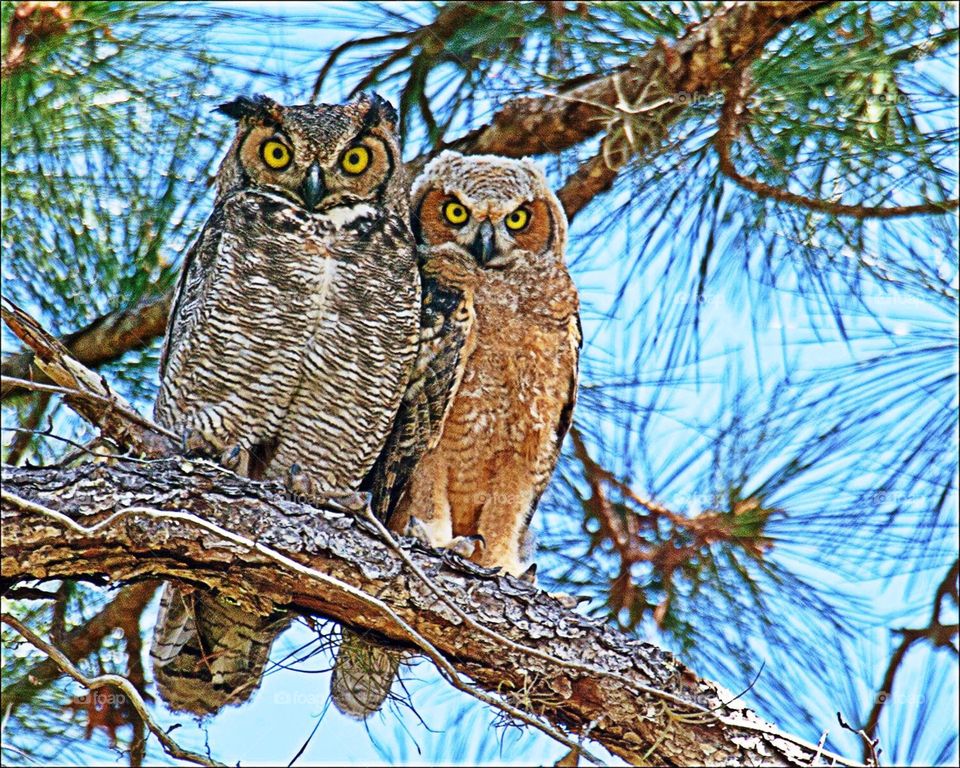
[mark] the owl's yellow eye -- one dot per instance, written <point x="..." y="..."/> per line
<point x="518" y="219"/>
<point x="275" y="154"/>
<point x="455" y="213"/>
<point x="355" y="160"/>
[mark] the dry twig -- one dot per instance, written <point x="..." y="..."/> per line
<point x="87" y="393"/>
<point x="115" y="681"/>
<point x="731" y="118"/>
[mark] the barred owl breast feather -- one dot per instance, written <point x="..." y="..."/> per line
<point x="290" y="343"/>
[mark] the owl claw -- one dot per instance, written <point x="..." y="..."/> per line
<point x="299" y="483"/>
<point x="416" y="530"/>
<point x="236" y="459"/>
<point x="466" y="546"/>
<point x="530" y="575"/>
<point x="570" y="602"/>
<point x="193" y="443"/>
<point x="302" y="487"/>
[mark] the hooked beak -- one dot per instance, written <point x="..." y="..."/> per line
<point x="483" y="248"/>
<point x="313" y="190"/>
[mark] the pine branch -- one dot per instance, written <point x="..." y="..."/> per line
<point x="102" y="341"/>
<point x="173" y="511"/>
<point x="107" y="681"/>
<point x="732" y="117"/>
<point x="80" y="642"/>
<point x="938" y="634"/>
<point x="87" y="393"/>
<point x="694" y="65"/>
<point x="31" y="25"/>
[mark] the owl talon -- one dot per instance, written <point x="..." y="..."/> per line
<point x="237" y="460"/>
<point x="303" y="488"/>
<point x="466" y="546"/>
<point x="193" y="443"/>
<point x="299" y="483"/>
<point x="530" y="575"/>
<point x="416" y="530"/>
<point x="570" y="602"/>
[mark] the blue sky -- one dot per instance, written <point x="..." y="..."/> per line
<point x="273" y="727"/>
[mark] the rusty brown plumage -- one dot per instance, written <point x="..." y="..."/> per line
<point x="491" y="398"/>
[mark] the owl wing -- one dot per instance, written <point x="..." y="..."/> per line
<point x="446" y="321"/>
<point x="192" y="285"/>
<point x="575" y="339"/>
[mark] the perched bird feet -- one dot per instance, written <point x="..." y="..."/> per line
<point x="302" y="487"/>
<point x="415" y="529"/>
<point x="237" y="459"/>
<point x="466" y="546"/>
<point x="194" y="443"/>
<point x="529" y="575"/>
<point x="570" y="602"/>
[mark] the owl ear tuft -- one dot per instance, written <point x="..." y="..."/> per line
<point x="379" y="111"/>
<point x="260" y="108"/>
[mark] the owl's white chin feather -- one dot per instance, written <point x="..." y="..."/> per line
<point x="342" y="215"/>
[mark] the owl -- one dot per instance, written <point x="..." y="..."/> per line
<point x="491" y="398"/>
<point x="290" y="343"/>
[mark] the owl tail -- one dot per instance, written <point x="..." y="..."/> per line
<point x="207" y="652"/>
<point x="363" y="675"/>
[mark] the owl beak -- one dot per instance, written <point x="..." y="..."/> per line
<point x="313" y="190"/>
<point x="484" y="248"/>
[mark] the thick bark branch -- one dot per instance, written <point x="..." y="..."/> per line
<point x="694" y="65"/>
<point x="607" y="688"/>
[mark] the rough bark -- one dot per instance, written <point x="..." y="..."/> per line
<point x="696" y="64"/>
<point x="630" y="720"/>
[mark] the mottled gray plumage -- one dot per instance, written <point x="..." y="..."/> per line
<point x="290" y="342"/>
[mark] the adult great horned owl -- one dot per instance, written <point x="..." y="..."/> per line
<point x="480" y="429"/>
<point x="290" y="342"/>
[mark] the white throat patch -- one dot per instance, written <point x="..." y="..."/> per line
<point x="342" y="215"/>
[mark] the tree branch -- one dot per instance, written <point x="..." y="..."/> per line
<point x="694" y="65"/>
<point x="731" y="118"/>
<point x="113" y="681"/>
<point x="938" y="634"/>
<point x="102" y="341"/>
<point x="636" y="105"/>
<point x="161" y="520"/>
<point x="80" y="642"/>
<point x="29" y="424"/>
<point x="87" y="393"/>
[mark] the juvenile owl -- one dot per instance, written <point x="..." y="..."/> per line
<point x="290" y="343"/>
<point x="491" y="398"/>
